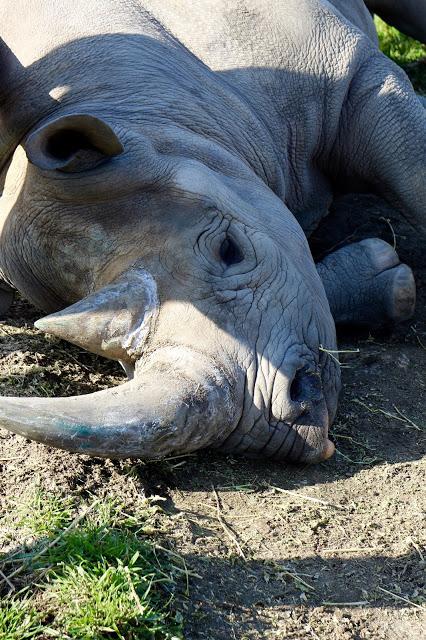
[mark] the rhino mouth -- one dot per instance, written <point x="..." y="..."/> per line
<point x="176" y="400"/>
<point x="292" y="429"/>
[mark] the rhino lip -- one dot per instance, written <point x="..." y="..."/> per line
<point x="302" y="438"/>
<point x="329" y="450"/>
<point x="309" y="443"/>
<point x="294" y="425"/>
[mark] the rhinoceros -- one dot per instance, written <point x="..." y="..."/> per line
<point x="164" y="163"/>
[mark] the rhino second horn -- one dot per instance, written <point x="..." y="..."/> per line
<point x="114" y="322"/>
<point x="176" y="403"/>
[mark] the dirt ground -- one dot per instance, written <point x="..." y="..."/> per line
<point x="335" y="551"/>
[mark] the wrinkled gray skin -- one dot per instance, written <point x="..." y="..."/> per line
<point x="164" y="163"/>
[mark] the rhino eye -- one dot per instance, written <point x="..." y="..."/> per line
<point x="230" y="252"/>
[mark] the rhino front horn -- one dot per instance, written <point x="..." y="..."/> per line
<point x="114" y="321"/>
<point x="137" y="419"/>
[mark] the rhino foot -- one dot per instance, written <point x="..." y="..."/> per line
<point x="367" y="285"/>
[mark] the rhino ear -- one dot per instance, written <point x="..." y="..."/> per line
<point x="72" y="143"/>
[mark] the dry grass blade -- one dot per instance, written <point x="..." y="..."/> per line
<point x="133" y="592"/>
<point x="51" y="544"/>
<point x="417" y="548"/>
<point x="421" y="343"/>
<point x="187" y="572"/>
<point x="394" y="416"/>
<point x="7" y="580"/>
<point x="357" y="442"/>
<point x="225" y="527"/>
<point x="303" y="496"/>
<point x="362" y="462"/>
<point x="56" y="634"/>
<point x="389" y="223"/>
<point x="332" y="353"/>
<point x="297" y="578"/>
<point x="407" y="419"/>
<point x="353" y="549"/>
<point x="360" y="603"/>
<point x="397" y="597"/>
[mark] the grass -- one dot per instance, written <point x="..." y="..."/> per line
<point x="48" y="513"/>
<point x="398" y="415"/>
<point x="406" y="52"/>
<point x="102" y="579"/>
<point x="397" y="46"/>
<point x="19" y="620"/>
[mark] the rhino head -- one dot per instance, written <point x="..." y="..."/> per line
<point x="172" y="256"/>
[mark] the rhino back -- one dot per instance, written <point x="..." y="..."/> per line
<point x="293" y="61"/>
<point x="49" y="25"/>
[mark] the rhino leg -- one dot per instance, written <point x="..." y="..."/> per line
<point x="366" y="284"/>
<point x="382" y="138"/>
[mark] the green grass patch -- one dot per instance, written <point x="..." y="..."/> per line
<point x="406" y="52"/>
<point x="109" y="597"/>
<point x="41" y="513"/>
<point x="19" y="620"/>
<point x="397" y="46"/>
<point x="93" y="576"/>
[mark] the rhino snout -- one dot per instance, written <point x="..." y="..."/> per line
<point x="291" y="424"/>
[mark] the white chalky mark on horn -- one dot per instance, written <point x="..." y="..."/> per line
<point x="115" y="321"/>
<point x="137" y="336"/>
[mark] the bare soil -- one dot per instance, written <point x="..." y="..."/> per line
<point x="335" y="551"/>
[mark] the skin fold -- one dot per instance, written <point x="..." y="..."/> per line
<point x="161" y="177"/>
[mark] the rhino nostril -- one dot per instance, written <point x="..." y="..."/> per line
<point x="296" y="389"/>
<point x="305" y="387"/>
